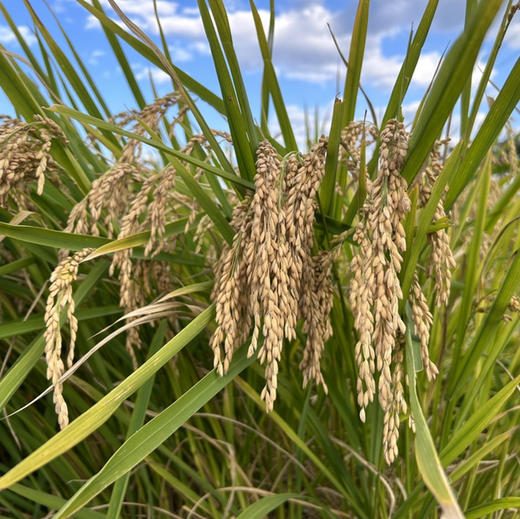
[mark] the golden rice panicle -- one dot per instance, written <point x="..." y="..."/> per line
<point x="60" y="298"/>
<point x="264" y="271"/>
<point x="156" y="215"/>
<point x="316" y="304"/>
<point x="301" y="201"/>
<point x="361" y="300"/>
<point x="398" y="404"/>
<point x="422" y="322"/>
<point x="375" y="291"/>
<point x="260" y="280"/>
<point x="441" y="261"/>
<point x="152" y="113"/>
<point x="111" y="192"/>
<point x="230" y="292"/>
<point x="130" y="294"/>
<point x="227" y="296"/>
<point x="295" y="253"/>
<point x="25" y="155"/>
<point x="352" y="137"/>
<point x="303" y="176"/>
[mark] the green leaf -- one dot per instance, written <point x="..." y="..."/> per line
<point x="493" y="124"/>
<point x="68" y="69"/>
<point x="473" y="460"/>
<point x="51" y="238"/>
<point x="503" y="503"/>
<point x="328" y="185"/>
<point x="235" y="118"/>
<point x="355" y="62"/>
<point x="123" y="62"/>
<point x="153" y="434"/>
<point x="100" y="412"/>
<point x="425" y="453"/>
<point x="477" y="422"/>
<point x="154" y="143"/>
<point x="264" y="506"/>
<point x="487" y="331"/>
<point x="12" y="380"/>
<point x="222" y="23"/>
<point x="50" y="501"/>
<point x="451" y="78"/>
<point x="136" y="240"/>
<point x="200" y="90"/>
<point x="410" y="62"/>
<point x="35" y="323"/>
<point x="16" y="265"/>
<point x="137" y="420"/>
<point x="74" y="242"/>
<point x="271" y="85"/>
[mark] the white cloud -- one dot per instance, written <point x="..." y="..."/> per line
<point x="512" y="38"/>
<point x="179" y="54"/>
<point x="144" y="8"/>
<point x="94" y="56"/>
<point x="312" y="57"/>
<point x="303" y="48"/>
<point x="190" y="11"/>
<point x="92" y="22"/>
<point x="296" y="115"/>
<point x="7" y="36"/>
<point x="158" y="76"/>
<point x="409" y="111"/>
<point x="201" y="47"/>
<point x="455" y="126"/>
<point x="426" y="68"/>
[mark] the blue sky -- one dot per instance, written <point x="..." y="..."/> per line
<point x="310" y="71"/>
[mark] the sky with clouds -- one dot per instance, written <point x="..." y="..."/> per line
<point x="310" y="70"/>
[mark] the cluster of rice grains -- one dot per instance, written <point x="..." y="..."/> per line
<point x="59" y="299"/>
<point x="268" y="279"/>
<point x="25" y="156"/>
<point x="375" y="286"/>
<point x="128" y="198"/>
<point x="131" y="197"/>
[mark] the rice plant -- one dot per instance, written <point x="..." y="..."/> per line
<point x="213" y="322"/>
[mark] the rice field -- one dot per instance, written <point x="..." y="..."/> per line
<point x="202" y="322"/>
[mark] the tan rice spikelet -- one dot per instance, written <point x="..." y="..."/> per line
<point x="230" y="292"/>
<point x="25" y="155"/>
<point x="316" y="304"/>
<point x="513" y="160"/>
<point x="111" y="191"/>
<point x="156" y="218"/>
<point x="60" y="297"/>
<point x="226" y="293"/>
<point x="422" y="322"/>
<point x="513" y="307"/>
<point x="121" y="195"/>
<point x="398" y="404"/>
<point x="303" y="179"/>
<point x="131" y="276"/>
<point x="263" y="258"/>
<point x="204" y="225"/>
<point x="441" y="261"/>
<point x="351" y="138"/>
<point x="514" y="304"/>
<point x="293" y="239"/>
<point x="375" y="289"/>
<point x="130" y="294"/>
